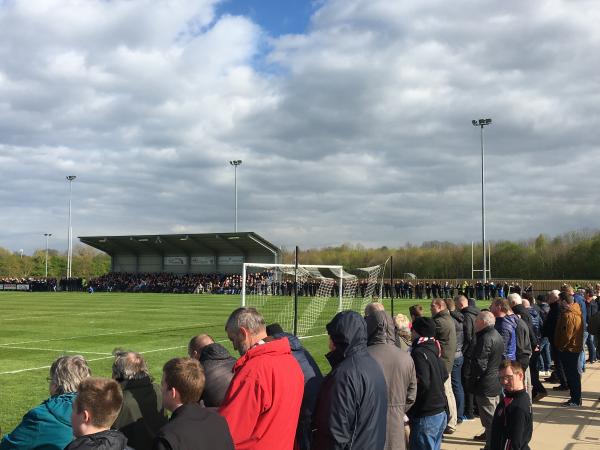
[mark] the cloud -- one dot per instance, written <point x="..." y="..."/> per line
<point x="357" y="130"/>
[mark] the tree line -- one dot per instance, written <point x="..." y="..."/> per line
<point x="574" y="255"/>
<point x="87" y="263"/>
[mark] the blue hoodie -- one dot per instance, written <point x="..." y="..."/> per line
<point x="45" y="427"/>
<point x="507" y="327"/>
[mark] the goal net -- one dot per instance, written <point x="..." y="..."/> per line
<point x="323" y="290"/>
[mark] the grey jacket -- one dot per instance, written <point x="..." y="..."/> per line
<point x="445" y="333"/>
<point x="399" y="372"/>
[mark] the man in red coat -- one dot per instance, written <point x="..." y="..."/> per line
<point x="263" y="401"/>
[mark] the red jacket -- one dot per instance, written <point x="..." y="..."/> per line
<point x="263" y="401"/>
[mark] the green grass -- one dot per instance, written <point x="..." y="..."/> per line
<point x="36" y="328"/>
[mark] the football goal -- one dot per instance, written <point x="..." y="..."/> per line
<point x="304" y="298"/>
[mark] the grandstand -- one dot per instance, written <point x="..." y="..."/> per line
<point x="185" y="253"/>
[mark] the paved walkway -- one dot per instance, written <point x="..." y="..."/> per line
<point x="554" y="427"/>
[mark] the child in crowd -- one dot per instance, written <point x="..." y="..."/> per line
<point x="97" y="406"/>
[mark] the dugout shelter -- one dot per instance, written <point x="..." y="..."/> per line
<point x="185" y="253"/>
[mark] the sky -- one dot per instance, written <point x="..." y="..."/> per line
<point x="352" y="119"/>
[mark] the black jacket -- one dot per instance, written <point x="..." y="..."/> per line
<point x="526" y="317"/>
<point x="193" y="427"/>
<point x="352" y="404"/>
<point x="312" y="383"/>
<point x="142" y="413"/>
<point x="459" y="320"/>
<point x="218" y="365"/>
<point x="431" y="375"/>
<point x="550" y="322"/>
<point x="483" y="377"/>
<point x="512" y="422"/>
<point x="469" y="337"/>
<point x="104" y="440"/>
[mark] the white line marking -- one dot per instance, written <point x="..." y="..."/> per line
<point x="56" y="350"/>
<point x="10" y="372"/>
<point x="107" y="334"/>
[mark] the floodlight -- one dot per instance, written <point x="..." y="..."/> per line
<point x="474" y="122"/>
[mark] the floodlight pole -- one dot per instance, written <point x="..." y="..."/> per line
<point x="235" y="164"/>
<point x="70" y="179"/>
<point x="482" y="123"/>
<point x="47" y="238"/>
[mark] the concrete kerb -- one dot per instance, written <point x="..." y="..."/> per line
<point x="554" y="427"/>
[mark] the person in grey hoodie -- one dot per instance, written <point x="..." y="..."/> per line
<point x="399" y="372"/>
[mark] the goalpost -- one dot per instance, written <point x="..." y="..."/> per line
<point x="304" y="298"/>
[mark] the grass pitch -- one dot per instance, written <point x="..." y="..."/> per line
<point x="36" y="328"/>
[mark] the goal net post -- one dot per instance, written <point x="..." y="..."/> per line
<point x="304" y="298"/>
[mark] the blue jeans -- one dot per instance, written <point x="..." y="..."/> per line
<point x="457" y="387"/>
<point x="545" y="356"/>
<point x="582" y="354"/>
<point x="426" y="432"/>
<point x="591" y="345"/>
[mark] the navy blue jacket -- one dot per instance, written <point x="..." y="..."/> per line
<point x="312" y="383"/>
<point x="352" y="405"/>
<point x="507" y="327"/>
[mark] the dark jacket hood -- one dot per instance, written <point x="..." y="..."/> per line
<point x="214" y="352"/>
<point x="348" y="331"/>
<point x="473" y="310"/>
<point x="457" y="315"/>
<point x="380" y="328"/>
<point x="104" y="440"/>
<point x="295" y="344"/>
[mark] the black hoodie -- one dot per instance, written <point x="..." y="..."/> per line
<point x="352" y="404"/>
<point x="431" y="375"/>
<point x="218" y="365"/>
<point x="469" y="336"/>
<point x="104" y="440"/>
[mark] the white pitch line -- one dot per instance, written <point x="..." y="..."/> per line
<point x="11" y="372"/>
<point x="106" y="334"/>
<point x="56" y="350"/>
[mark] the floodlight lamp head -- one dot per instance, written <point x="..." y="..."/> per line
<point x="71" y="177"/>
<point x="235" y="162"/>
<point x="474" y="122"/>
<point x="488" y="121"/>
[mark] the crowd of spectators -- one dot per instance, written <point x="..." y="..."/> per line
<point x="394" y="383"/>
<point x="36" y="284"/>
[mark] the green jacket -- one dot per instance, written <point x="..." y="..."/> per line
<point x="142" y="414"/>
<point x="445" y="333"/>
<point x="45" y="427"/>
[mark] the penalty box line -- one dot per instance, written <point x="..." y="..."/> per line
<point x="12" y="372"/>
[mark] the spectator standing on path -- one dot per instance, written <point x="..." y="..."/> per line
<point x="312" y="383"/>
<point x="48" y="425"/>
<point x="399" y="372"/>
<point x="569" y="343"/>
<point x="142" y="413"/>
<point x="469" y="314"/>
<point x="539" y="391"/>
<point x="483" y="378"/>
<point x="506" y="325"/>
<point x="218" y="368"/>
<point x="191" y="427"/>
<point x="578" y="298"/>
<point x="456" y="374"/>
<point x="549" y="331"/>
<point x="352" y="404"/>
<point x="263" y="401"/>
<point x="591" y="310"/>
<point x="512" y="425"/>
<point x="445" y="334"/>
<point x="526" y="342"/>
<point x="428" y="415"/>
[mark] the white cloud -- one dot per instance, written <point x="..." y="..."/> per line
<point x="356" y="131"/>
